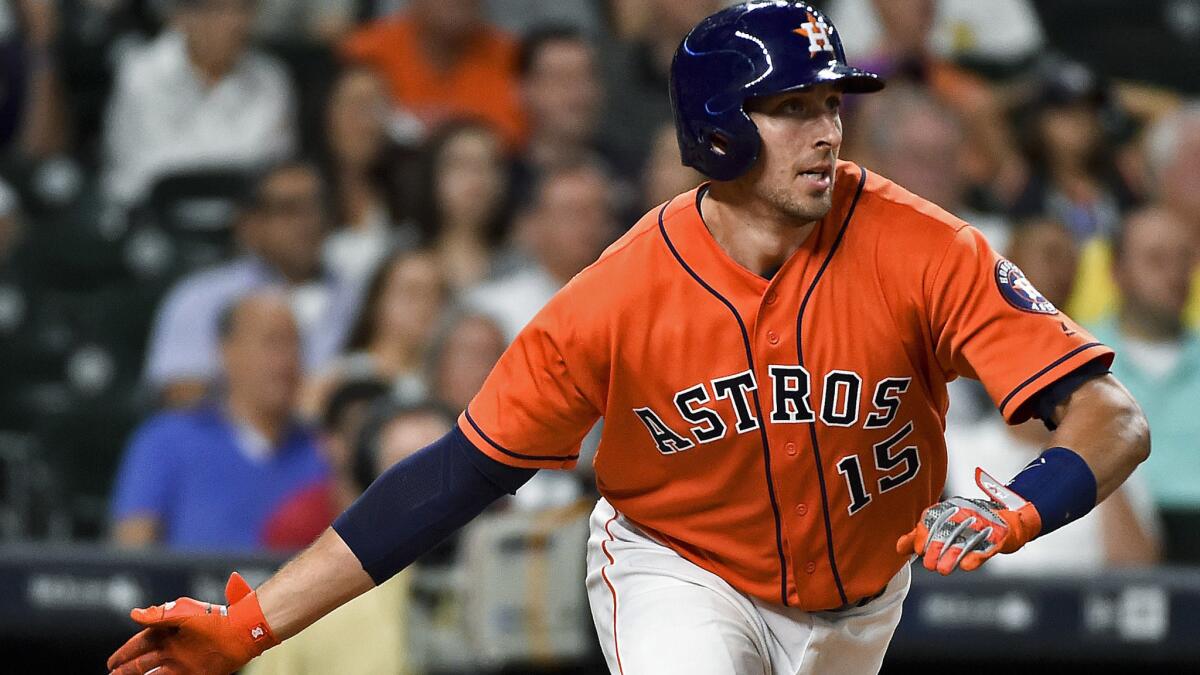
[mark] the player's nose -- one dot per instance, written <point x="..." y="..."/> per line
<point x="828" y="132"/>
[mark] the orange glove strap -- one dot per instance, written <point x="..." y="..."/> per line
<point x="247" y="617"/>
<point x="1023" y="525"/>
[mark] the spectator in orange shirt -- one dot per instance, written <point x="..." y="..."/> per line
<point x="441" y="60"/>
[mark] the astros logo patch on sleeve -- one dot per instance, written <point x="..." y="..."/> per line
<point x="1019" y="291"/>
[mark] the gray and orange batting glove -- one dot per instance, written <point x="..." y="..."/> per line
<point x="964" y="533"/>
<point x="189" y="637"/>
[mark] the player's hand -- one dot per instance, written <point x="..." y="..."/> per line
<point x="964" y="533"/>
<point x="188" y="637"/>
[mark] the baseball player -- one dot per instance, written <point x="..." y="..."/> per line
<point x="769" y="353"/>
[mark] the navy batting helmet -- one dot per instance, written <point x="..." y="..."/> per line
<point x="752" y="49"/>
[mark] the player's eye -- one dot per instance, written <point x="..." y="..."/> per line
<point x="833" y="103"/>
<point x="791" y="106"/>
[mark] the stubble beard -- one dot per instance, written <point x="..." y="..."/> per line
<point x="802" y="208"/>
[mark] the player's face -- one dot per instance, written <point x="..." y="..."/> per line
<point x="801" y="135"/>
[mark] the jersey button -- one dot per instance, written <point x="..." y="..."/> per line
<point x="771" y="297"/>
<point x="772" y="337"/>
<point x="802" y="509"/>
<point x="810" y="567"/>
<point x="791" y="448"/>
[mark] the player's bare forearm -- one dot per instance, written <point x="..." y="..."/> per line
<point x="1101" y="437"/>
<point x="389" y="526"/>
<point x="386" y="529"/>
<point x="189" y="636"/>
<point x="314" y="583"/>
<point x="1103" y="424"/>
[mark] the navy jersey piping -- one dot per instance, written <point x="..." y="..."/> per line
<point x="812" y="427"/>
<point x="510" y="453"/>
<point x="762" y="425"/>
<point x="1045" y="370"/>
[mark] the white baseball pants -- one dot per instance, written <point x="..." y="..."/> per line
<point x="659" y="614"/>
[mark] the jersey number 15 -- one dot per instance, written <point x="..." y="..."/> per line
<point x="896" y="467"/>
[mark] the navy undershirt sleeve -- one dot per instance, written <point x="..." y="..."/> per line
<point x="420" y="501"/>
<point x="1048" y="398"/>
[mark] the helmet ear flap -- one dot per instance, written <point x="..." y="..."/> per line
<point x="724" y="154"/>
<point x="718" y="144"/>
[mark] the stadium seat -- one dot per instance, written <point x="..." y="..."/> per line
<point x="83" y="398"/>
<point x="82" y="444"/>
<point x="33" y="345"/>
<point x="72" y="254"/>
<point x="73" y="238"/>
<point x="70" y="378"/>
<point x="30" y="496"/>
<point x="196" y="210"/>
<point x="313" y="68"/>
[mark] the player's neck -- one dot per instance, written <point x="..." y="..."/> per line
<point x="756" y="235"/>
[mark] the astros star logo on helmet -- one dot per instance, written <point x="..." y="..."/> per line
<point x="817" y="32"/>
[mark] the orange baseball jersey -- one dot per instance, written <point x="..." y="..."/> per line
<point x="780" y="433"/>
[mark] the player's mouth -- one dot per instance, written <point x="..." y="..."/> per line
<point x="818" y="176"/>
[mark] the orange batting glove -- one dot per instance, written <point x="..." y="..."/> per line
<point x="961" y="532"/>
<point x="189" y="637"/>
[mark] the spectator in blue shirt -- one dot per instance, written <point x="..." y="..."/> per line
<point x="1158" y="359"/>
<point x="226" y="475"/>
<point x="282" y="231"/>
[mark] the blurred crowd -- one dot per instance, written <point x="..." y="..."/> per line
<point x="253" y="253"/>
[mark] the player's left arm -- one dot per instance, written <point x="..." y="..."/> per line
<point x="1100" y="435"/>
<point x="990" y="323"/>
<point x="1101" y="422"/>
